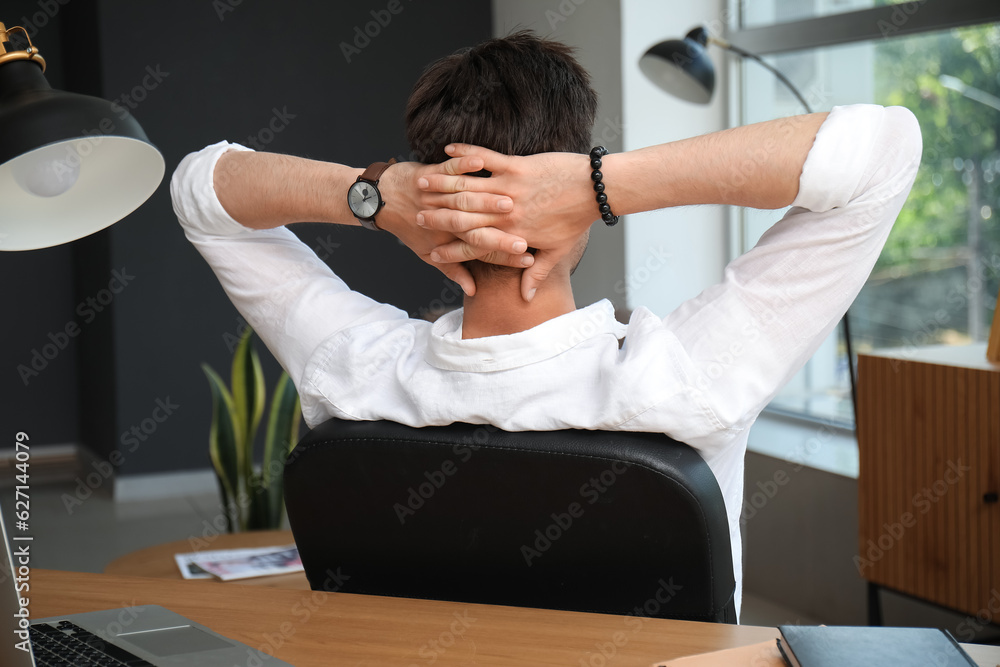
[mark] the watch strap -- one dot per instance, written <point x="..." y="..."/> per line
<point x="373" y="174"/>
<point x="369" y="224"/>
<point x="374" y="171"/>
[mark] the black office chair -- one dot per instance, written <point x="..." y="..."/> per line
<point x="610" y="522"/>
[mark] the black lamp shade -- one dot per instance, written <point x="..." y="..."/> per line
<point x="682" y="67"/>
<point x="70" y="165"/>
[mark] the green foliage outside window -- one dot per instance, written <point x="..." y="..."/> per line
<point x="960" y="174"/>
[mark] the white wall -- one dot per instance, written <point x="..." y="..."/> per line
<point x="694" y="238"/>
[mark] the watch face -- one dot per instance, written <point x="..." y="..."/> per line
<point x="363" y="198"/>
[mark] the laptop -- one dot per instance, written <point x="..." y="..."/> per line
<point x="139" y="636"/>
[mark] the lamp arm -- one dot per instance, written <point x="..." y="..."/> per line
<point x="753" y="56"/>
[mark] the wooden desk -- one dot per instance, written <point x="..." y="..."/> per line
<point x="313" y="628"/>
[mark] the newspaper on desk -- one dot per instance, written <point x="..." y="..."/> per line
<point x="229" y="564"/>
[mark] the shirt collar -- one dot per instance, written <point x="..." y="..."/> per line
<point x="448" y="351"/>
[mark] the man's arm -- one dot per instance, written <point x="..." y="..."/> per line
<point x="232" y="202"/>
<point x="267" y="190"/>
<point x="745" y="337"/>
<point x="755" y="165"/>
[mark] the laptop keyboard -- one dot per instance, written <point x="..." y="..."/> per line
<point x="68" y="645"/>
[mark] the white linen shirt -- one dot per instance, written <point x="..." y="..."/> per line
<point x="701" y="375"/>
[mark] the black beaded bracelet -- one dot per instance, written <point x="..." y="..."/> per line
<point x="596" y="153"/>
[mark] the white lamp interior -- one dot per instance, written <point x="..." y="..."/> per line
<point x="44" y="203"/>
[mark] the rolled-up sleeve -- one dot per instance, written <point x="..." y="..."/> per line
<point x="747" y="336"/>
<point x="287" y="294"/>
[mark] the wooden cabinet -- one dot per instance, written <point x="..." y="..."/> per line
<point x="929" y="441"/>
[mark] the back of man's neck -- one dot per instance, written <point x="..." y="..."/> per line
<point x="498" y="309"/>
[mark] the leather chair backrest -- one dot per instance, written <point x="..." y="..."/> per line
<point x="611" y="522"/>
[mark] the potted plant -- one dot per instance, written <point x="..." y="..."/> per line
<point x="252" y="497"/>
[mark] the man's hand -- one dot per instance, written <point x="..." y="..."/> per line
<point x="404" y="201"/>
<point x="554" y="200"/>
<point x="553" y="204"/>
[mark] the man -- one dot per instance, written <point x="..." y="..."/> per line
<point x="529" y="360"/>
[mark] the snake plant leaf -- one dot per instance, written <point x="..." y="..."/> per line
<point x="222" y="443"/>
<point x="248" y="400"/>
<point x="253" y="500"/>
<point x="282" y="434"/>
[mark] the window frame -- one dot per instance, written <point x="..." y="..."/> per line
<point x="899" y="20"/>
<point x="872" y="24"/>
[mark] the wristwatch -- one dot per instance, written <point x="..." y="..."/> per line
<point x="363" y="196"/>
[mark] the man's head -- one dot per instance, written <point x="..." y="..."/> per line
<point x="517" y="95"/>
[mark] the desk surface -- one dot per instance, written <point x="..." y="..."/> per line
<point x="313" y="628"/>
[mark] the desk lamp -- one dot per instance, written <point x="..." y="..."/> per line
<point x="70" y="165"/>
<point x="682" y="68"/>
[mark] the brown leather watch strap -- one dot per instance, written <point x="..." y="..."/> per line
<point x="374" y="171"/>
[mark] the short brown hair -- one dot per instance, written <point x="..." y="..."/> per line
<point x="517" y="95"/>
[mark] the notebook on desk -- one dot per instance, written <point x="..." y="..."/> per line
<point x="831" y="646"/>
<point x="138" y="636"/>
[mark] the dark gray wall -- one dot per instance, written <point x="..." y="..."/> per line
<point x="222" y="69"/>
<point x="39" y="295"/>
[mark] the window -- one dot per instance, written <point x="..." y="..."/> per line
<point x="937" y="279"/>
<point x="758" y="13"/>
